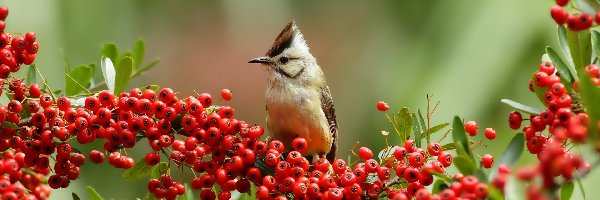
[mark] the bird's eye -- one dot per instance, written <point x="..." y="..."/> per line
<point x="284" y="60"/>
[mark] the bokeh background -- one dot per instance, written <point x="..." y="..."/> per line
<point x="469" y="54"/>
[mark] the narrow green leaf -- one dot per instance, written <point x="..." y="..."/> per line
<point x="566" y="191"/>
<point x="31" y="75"/>
<point x="460" y="139"/>
<point x="438" y="186"/>
<point x="521" y="107"/>
<point x="595" y="41"/>
<point x="108" y="72"/>
<point x="160" y="169"/>
<point x="7" y="124"/>
<point x="138" y="53"/>
<point x="590" y="93"/>
<point x="464" y="164"/>
<point x="581" y="49"/>
<point x="141" y="71"/>
<point x="110" y="51"/>
<point x="436" y="128"/>
<point x="564" y="44"/>
<point x="404" y="122"/>
<point x="580" y="186"/>
<point x="153" y="87"/>
<point x="92" y="194"/>
<point x="444" y="177"/>
<point x="416" y="130"/>
<point x="561" y="68"/>
<point x="123" y="74"/>
<point x="588" y="6"/>
<point x="78" y="80"/>
<point x="139" y="170"/>
<point x="75" y="197"/>
<point x="494" y="193"/>
<point x="449" y="146"/>
<point x="422" y="128"/>
<point x="511" y="153"/>
<point x="480" y="174"/>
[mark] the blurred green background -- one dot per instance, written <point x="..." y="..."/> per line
<point x="469" y="54"/>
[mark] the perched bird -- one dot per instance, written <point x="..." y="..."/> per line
<point x="299" y="103"/>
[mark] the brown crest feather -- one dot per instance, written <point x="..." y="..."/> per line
<point x="283" y="40"/>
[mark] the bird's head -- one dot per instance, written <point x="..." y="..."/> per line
<point x="288" y="57"/>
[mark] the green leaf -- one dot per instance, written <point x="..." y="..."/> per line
<point x="31" y="75"/>
<point x="92" y="194"/>
<point x="464" y="164"/>
<point x="75" y="197"/>
<point x="580" y="186"/>
<point x="588" y="6"/>
<point x="561" y="68"/>
<point x="494" y="193"/>
<point x="581" y="49"/>
<point x="460" y="139"/>
<point x="7" y="124"/>
<point x="416" y="130"/>
<point x="595" y="42"/>
<point x="480" y="174"/>
<point x="138" y="171"/>
<point x="138" y="53"/>
<point x="139" y="72"/>
<point x="590" y="94"/>
<point x="566" y="191"/>
<point x="511" y="153"/>
<point x="160" y="169"/>
<point x="404" y="121"/>
<point x="444" y="177"/>
<point x="438" y="186"/>
<point x="108" y="72"/>
<point x="78" y="80"/>
<point x="422" y="128"/>
<point x="521" y="107"/>
<point x="123" y="74"/>
<point x="110" y="51"/>
<point x="153" y="87"/>
<point x="448" y="146"/>
<point x="564" y="44"/>
<point x="436" y="128"/>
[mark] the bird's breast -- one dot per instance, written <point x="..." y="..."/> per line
<point x="296" y="112"/>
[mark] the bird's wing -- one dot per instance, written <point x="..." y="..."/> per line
<point x="329" y="111"/>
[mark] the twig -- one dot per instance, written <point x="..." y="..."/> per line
<point x="84" y="88"/>
<point x="45" y="83"/>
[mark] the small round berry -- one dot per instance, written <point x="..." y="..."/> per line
<point x="382" y="106"/>
<point x="471" y="128"/>
<point x="434" y="149"/>
<point x="490" y="133"/>
<point x="299" y="144"/>
<point x="487" y="161"/>
<point x="3" y="12"/>
<point x="226" y="94"/>
<point x="514" y="120"/>
<point x="365" y="153"/>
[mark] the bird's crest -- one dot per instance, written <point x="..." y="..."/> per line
<point x="289" y="36"/>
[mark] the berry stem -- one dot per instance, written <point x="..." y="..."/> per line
<point x="44" y="81"/>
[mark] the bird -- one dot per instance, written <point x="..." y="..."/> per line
<point x="298" y="100"/>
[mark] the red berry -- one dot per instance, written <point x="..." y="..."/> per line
<point x="365" y="153"/>
<point x="226" y="94"/>
<point x="434" y="149"/>
<point x="96" y="156"/>
<point x="487" y="160"/>
<point x="514" y="120"/>
<point x="382" y="106"/>
<point x="3" y="12"/>
<point x="152" y="158"/>
<point x="471" y="128"/>
<point x="299" y="144"/>
<point x="562" y="2"/>
<point x="490" y="133"/>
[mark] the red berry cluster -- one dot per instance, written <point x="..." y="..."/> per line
<point x="575" y="22"/>
<point x="551" y="133"/>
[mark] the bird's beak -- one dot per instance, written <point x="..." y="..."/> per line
<point x="260" y="60"/>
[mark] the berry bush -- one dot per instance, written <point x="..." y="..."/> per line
<point x="231" y="158"/>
